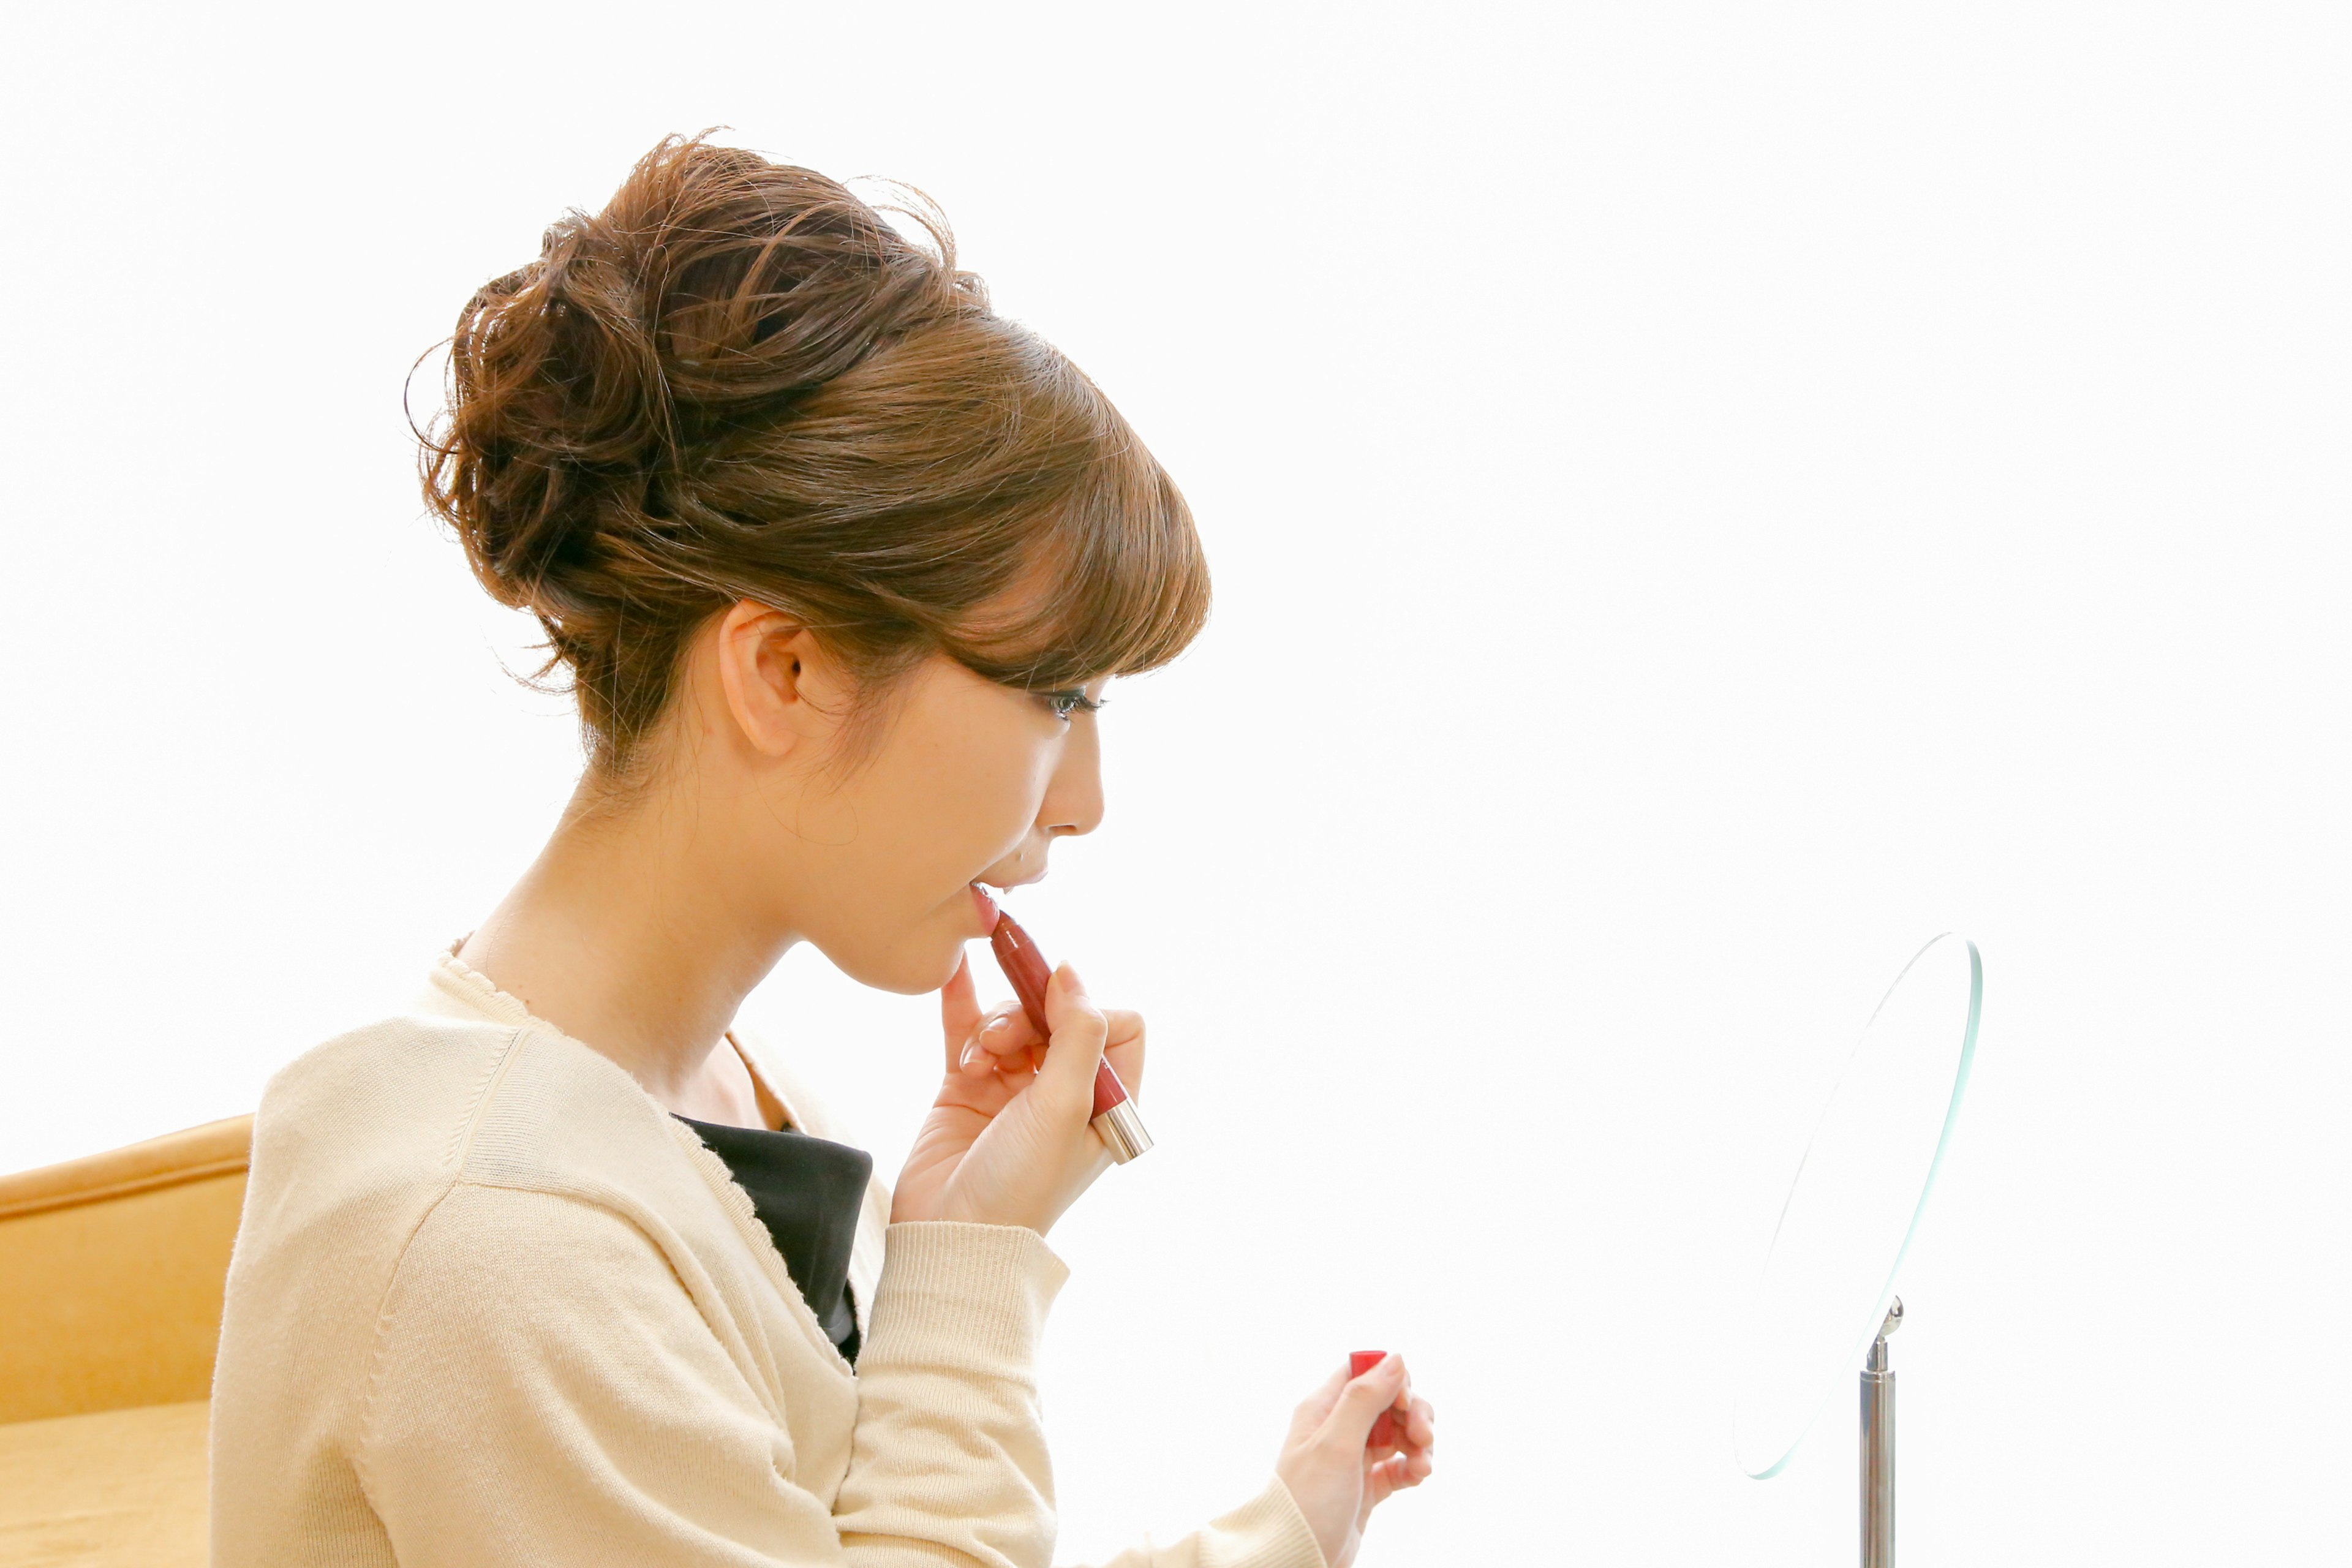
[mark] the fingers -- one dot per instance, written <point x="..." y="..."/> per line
<point x="1390" y="1476"/>
<point x="1124" y="1047"/>
<point x="958" y="1011"/>
<point x="1409" y="1465"/>
<point x="1080" y="1031"/>
<point x="1419" y="1428"/>
<point x="1008" y="1037"/>
<point x="1316" y="1409"/>
<point x="1364" y="1401"/>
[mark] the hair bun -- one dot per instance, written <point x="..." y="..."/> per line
<point x="715" y="287"/>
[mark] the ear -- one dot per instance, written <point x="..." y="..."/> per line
<point x="776" y="678"/>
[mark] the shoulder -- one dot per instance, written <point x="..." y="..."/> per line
<point x="356" y="1139"/>
<point x="514" y="1272"/>
<point x="375" y="1109"/>
<point x="352" y="1146"/>
<point x="440" y="1132"/>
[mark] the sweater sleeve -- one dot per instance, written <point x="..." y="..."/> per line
<point x="1267" y="1531"/>
<point x="544" y="1390"/>
<point x="947" y="1374"/>
<point x="949" y="1463"/>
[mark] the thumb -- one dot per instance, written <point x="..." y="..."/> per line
<point x="1079" y="1031"/>
<point x="1350" y="1425"/>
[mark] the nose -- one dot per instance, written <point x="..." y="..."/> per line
<point x="1074" y="795"/>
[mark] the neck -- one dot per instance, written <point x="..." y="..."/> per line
<point x="629" y="935"/>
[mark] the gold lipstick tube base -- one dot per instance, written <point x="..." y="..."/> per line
<point x="1121" y="1130"/>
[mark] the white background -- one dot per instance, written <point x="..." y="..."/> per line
<point x="1704" y="497"/>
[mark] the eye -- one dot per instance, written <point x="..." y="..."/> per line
<point x="1075" y="701"/>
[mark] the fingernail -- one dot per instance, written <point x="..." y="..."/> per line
<point x="970" y="1054"/>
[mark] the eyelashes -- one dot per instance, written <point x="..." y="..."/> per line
<point x="1075" y="701"/>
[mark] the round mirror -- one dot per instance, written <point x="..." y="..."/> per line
<point x="1856" y="1200"/>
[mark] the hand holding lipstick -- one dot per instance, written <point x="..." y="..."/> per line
<point x="1116" y="1120"/>
<point x="1008" y="1140"/>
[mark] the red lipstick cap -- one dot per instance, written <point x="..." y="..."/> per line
<point x="1384" y="1429"/>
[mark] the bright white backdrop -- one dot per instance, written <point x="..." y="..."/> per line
<point x="1704" y="497"/>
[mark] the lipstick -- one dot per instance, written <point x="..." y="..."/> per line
<point x="1115" y="1119"/>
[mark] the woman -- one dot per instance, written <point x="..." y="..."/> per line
<point x="557" y="1266"/>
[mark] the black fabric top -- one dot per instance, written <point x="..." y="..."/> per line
<point x="807" y="1192"/>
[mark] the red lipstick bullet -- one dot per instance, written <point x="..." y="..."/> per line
<point x="1115" y="1119"/>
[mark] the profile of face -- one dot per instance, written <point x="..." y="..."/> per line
<point x="860" y="818"/>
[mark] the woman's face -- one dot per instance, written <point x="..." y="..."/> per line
<point x="970" y="781"/>
<point x="871" y="853"/>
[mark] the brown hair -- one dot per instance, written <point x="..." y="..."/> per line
<point x="740" y="381"/>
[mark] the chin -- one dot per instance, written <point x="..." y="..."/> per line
<point x="907" y="970"/>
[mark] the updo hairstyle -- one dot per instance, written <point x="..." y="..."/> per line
<point x="740" y="381"/>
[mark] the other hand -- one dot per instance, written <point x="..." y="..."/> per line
<point x="1336" y="1480"/>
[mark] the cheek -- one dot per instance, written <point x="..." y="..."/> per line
<point x="999" y="791"/>
<point x="976" y="788"/>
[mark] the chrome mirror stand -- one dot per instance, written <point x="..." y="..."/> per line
<point x="1878" y="1448"/>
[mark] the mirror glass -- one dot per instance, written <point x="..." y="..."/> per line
<point x="1856" y="1202"/>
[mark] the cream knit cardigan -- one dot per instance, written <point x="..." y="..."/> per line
<point x="491" y="1305"/>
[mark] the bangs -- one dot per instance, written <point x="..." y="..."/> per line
<point x="1113" y="578"/>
